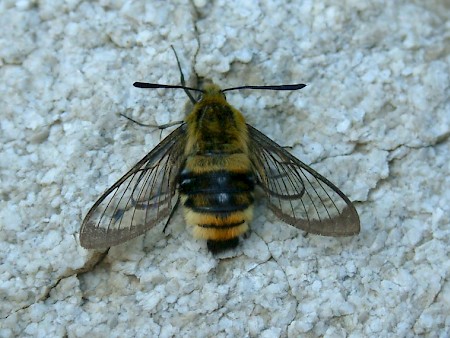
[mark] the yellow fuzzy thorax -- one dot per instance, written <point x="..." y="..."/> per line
<point x="215" y="124"/>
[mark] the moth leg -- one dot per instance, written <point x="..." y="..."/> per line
<point x="175" y="207"/>
<point x="183" y="82"/>
<point x="162" y="126"/>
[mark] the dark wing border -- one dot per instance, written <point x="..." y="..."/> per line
<point x="152" y="180"/>
<point x="324" y="209"/>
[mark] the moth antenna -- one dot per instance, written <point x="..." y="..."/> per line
<point x="280" y="87"/>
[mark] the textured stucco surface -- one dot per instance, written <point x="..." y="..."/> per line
<point x="374" y="119"/>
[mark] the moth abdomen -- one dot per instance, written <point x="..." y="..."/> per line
<point x="218" y="205"/>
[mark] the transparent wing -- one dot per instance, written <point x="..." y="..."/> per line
<point x="297" y="194"/>
<point x="142" y="198"/>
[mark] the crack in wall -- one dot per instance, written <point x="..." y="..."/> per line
<point x="96" y="259"/>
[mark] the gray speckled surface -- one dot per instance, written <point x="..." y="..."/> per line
<point x="374" y="119"/>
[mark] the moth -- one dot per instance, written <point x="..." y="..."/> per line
<point x="211" y="164"/>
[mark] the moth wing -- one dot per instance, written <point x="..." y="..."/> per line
<point x="297" y="194"/>
<point x="142" y="198"/>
